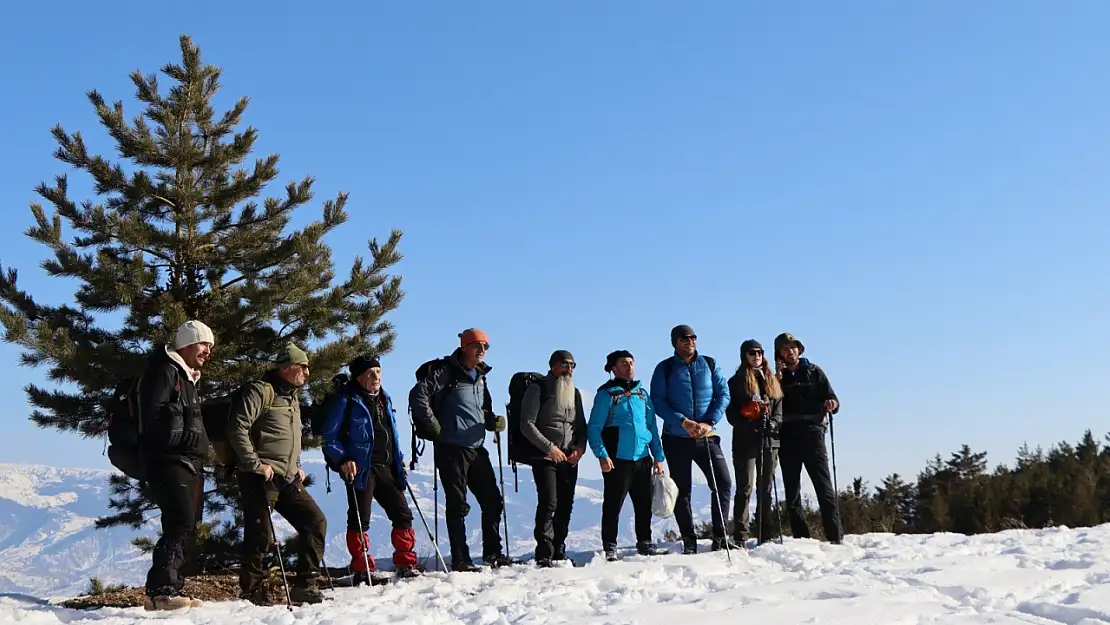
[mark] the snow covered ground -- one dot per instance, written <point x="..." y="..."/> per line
<point x="1049" y="576"/>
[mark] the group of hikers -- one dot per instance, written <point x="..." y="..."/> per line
<point x="777" y="417"/>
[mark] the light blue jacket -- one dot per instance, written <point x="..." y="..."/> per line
<point x="622" y="423"/>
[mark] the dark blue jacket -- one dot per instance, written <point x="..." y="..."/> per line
<point x="455" y="400"/>
<point x="355" y="440"/>
<point x="690" y="392"/>
<point x="622" y="423"/>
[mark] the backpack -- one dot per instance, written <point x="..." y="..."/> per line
<point x="125" y="427"/>
<point x="217" y="414"/>
<point x="609" y="434"/>
<point x="419" y="436"/>
<point x="521" y="450"/>
<point x="668" y="366"/>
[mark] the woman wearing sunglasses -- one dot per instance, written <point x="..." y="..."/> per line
<point x="755" y="413"/>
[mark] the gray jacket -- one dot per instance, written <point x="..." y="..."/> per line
<point x="544" y="426"/>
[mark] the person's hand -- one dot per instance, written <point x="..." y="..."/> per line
<point x="300" y="474"/>
<point x="348" y="470"/>
<point x="556" y="455"/>
<point x="266" y="470"/>
<point x="574" y="457"/>
<point x="659" y="468"/>
<point x="831" y="404"/>
<point x="606" y="464"/>
<point x="692" y="428"/>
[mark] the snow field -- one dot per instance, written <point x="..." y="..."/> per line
<point x="1052" y="577"/>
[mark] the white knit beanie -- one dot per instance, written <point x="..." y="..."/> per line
<point x="193" y="332"/>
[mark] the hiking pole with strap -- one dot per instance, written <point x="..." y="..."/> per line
<point x="504" y="503"/>
<point x="759" y="494"/>
<point x="277" y="548"/>
<point x="363" y="539"/>
<point x="717" y="499"/>
<point x="836" y="486"/>
<point x="423" y="520"/>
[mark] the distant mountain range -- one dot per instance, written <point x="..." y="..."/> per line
<point x="49" y="546"/>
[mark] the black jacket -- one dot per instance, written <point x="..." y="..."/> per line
<point x="745" y="432"/>
<point x="172" y="425"/>
<point x="805" y="392"/>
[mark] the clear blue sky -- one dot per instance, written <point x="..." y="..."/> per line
<point x="918" y="191"/>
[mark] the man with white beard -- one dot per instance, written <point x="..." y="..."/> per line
<point x="552" y="419"/>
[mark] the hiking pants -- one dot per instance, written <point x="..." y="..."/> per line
<point x="292" y="501"/>
<point x="627" y="477"/>
<point x="707" y="454"/>
<point x="745" y="459"/>
<point x="554" y="501"/>
<point x="177" y="486"/>
<point x="461" y="468"/>
<point x="381" y="486"/>
<point x="805" y="446"/>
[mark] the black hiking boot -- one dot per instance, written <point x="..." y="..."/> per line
<point x="559" y="554"/>
<point x="498" y="560"/>
<point x="544" y="563"/>
<point x="689" y="546"/>
<point x="723" y="543"/>
<point x="465" y="566"/>
<point x="408" y="572"/>
<point x="259" y="596"/>
<point x="610" y="553"/>
<point x="648" y="549"/>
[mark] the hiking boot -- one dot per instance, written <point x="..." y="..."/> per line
<point x="258" y="596"/>
<point x="610" y="553"/>
<point x="648" y="549"/>
<point x="407" y="572"/>
<point x="689" y="546"/>
<point x="723" y="543"/>
<point x="498" y="560"/>
<point x="169" y="602"/>
<point x="465" y="566"/>
<point x="559" y="554"/>
<point x="300" y="595"/>
<point x="544" y="563"/>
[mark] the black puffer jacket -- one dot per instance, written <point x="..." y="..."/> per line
<point x="172" y="426"/>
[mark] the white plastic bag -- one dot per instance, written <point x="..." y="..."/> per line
<point x="664" y="492"/>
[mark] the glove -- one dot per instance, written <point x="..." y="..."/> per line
<point x="495" y="423"/>
<point x="189" y="440"/>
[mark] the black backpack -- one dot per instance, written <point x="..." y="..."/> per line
<point x="125" y="428"/>
<point x="521" y="450"/>
<point x="419" y="436"/>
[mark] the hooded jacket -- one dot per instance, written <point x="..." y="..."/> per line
<point x="170" y="410"/>
<point x="691" y="391"/>
<point x="454" y="401"/>
<point x="354" y="438"/>
<point x="804" y="394"/>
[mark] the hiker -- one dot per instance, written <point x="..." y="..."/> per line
<point x="360" y="438"/>
<point x="174" y="445"/>
<point x="623" y="434"/>
<point x="264" y="430"/>
<point x="690" y="395"/>
<point x="808" y="399"/>
<point x="552" y="419"/>
<point x="451" y="406"/>
<point x="755" y="412"/>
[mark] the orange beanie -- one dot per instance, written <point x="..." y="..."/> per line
<point x="472" y="335"/>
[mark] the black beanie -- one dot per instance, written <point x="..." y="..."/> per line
<point x="678" y="332"/>
<point x="613" y="357"/>
<point x="359" y="365"/>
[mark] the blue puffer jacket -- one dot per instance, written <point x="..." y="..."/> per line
<point x="691" y="392"/>
<point x="359" y="441"/>
<point x="622" y="423"/>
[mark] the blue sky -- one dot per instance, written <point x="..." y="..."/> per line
<point x="918" y="191"/>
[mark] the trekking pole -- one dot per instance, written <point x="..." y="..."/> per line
<point x="363" y="539"/>
<point x="435" y="495"/>
<point x="504" y="506"/>
<point x="277" y="548"/>
<point x="836" y="486"/>
<point x="435" y="544"/>
<point x="717" y="499"/>
<point x="778" y="504"/>
<point x="759" y="494"/>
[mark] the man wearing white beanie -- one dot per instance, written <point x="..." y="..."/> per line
<point x="174" y="445"/>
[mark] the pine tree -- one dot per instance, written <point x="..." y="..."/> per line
<point x="178" y="231"/>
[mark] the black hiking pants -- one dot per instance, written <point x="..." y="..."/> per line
<point x="554" y="501"/>
<point x="382" y="487"/>
<point x="292" y="501"/>
<point x="627" y="478"/>
<point x="706" y="453"/>
<point x="803" y="445"/>
<point x="461" y="468"/>
<point x="746" y="447"/>
<point x="177" y="485"/>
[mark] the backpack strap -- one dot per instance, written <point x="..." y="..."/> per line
<point x="668" y="366"/>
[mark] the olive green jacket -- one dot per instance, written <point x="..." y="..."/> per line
<point x="265" y="427"/>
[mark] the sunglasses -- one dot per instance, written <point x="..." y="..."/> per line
<point x="482" y="346"/>
<point x="755" y="352"/>
<point x="569" y="364"/>
<point x="690" y="337"/>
